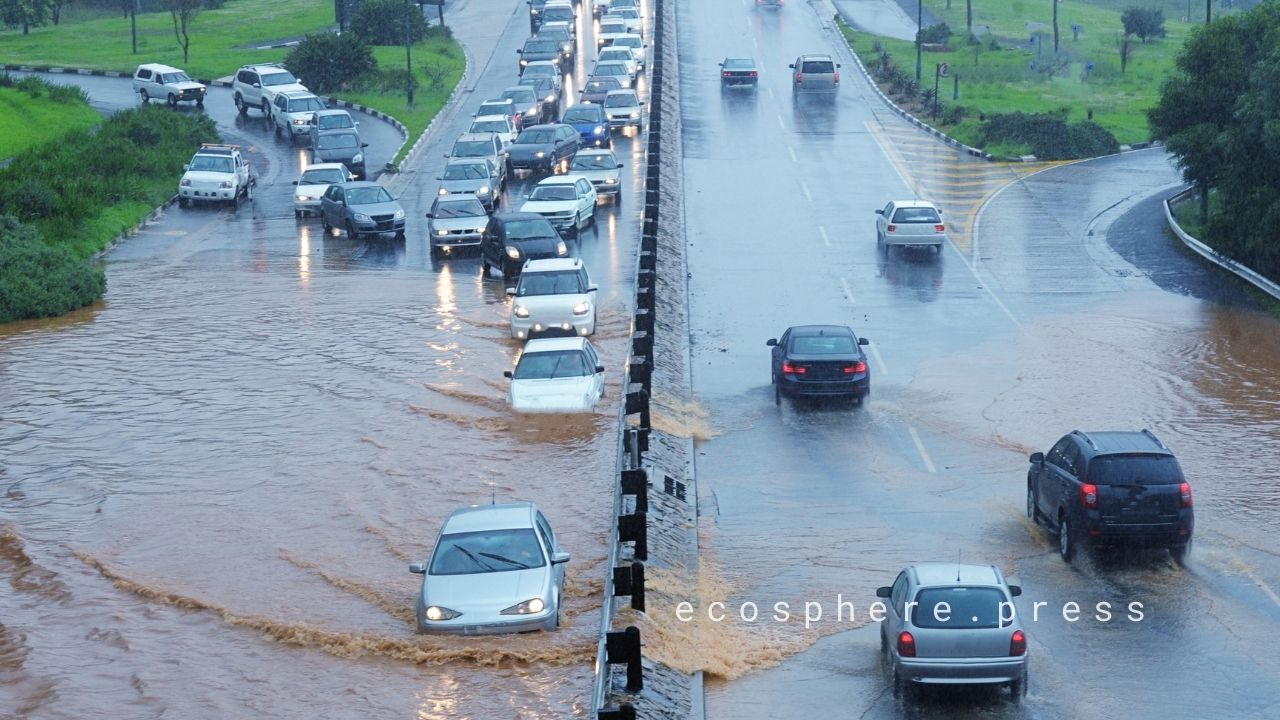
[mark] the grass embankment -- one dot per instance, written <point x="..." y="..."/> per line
<point x="30" y="116"/>
<point x="1007" y="73"/>
<point x="222" y="40"/>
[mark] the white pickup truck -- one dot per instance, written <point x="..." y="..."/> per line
<point x="217" y="173"/>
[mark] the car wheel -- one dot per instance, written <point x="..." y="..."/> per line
<point x="901" y="686"/>
<point x="200" y="103"/>
<point x="777" y="394"/>
<point x="143" y="94"/>
<point x="351" y="231"/>
<point x="173" y="100"/>
<point x="1066" y="544"/>
<point x="240" y="106"/>
<point x="400" y="236"/>
<point x="266" y="109"/>
<point x="1032" y="513"/>
<point x="484" y="266"/>
<point x="1181" y="552"/>
<point x="182" y="202"/>
<point x="324" y="223"/>
<point x="1018" y="688"/>
<point x="297" y="214"/>
<point x="278" y="131"/>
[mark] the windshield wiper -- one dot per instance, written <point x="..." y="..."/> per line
<point x="473" y="557"/>
<point x="520" y="565"/>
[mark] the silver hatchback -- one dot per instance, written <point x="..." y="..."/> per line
<point x="953" y="624"/>
<point x="815" y="73"/>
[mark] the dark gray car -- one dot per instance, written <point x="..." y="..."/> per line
<point x="361" y="209"/>
<point x="543" y="147"/>
<point x="536" y="49"/>
<point x="342" y="146"/>
<point x="597" y="88"/>
<point x="455" y="221"/>
<point x="528" y="104"/>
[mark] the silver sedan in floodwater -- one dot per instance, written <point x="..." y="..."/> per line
<point x="953" y="624"/>
<point x="495" y="569"/>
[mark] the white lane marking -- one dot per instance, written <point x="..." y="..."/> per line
<point x="848" y="294"/>
<point x="924" y="454"/>
<point x="1258" y="581"/>
<point x="747" y="20"/>
<point x="823" y="232"/>
<point x="769" y="90"/>
<point x="792" y="152"/>
<point x="780" y="123"/>
<point x="875" y="352"/>
<point x="755" y="42"/>
<point x="805" y="189"/>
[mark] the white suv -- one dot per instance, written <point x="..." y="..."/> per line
<point x="256" y="86"/>
<point x="170" y="84"/>
<point x="293" y="112"/>
<point x="553" y="296"/>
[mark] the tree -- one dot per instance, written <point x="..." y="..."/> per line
<point x="24" y="13"/>
<point x="382" y="22"/>
<point x="55" y="9"/>
<point x="183" y="13"/>
<point x="968" y="15"/>
<point x="1055" y="26"/>
<point x="1145" y="23"/>
<point x="1126" y="47"/>
<point x="331" y="63"/>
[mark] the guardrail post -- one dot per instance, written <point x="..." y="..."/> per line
<point x="635" y="528"/>
<point x="629" y="580"/>
<point x="636" y="481"/>
<point x="624" y="647"/>
<point x="625" y="711"/>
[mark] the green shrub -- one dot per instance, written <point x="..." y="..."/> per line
<point x="42" y="280"/>
<point x="939" y="34"/>
<point x="331" y="63"/>
<point x="383" y="22"/>
<point x="1049" y="135"/>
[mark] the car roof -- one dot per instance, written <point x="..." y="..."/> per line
<point x="333" y="111"/>
<point x="469" y="136"/>
<point x="590" y="152"/>
<point x="323" y="166"/>
<point x="264" y="68"/>
<point x="555" y="344"/>
<point x="499" y="101"/>
<point x="297" y="94"/>
<point x="1122" y="441"/>
<point x="622" y="91"/>
<point x="521" y="88"/>
<point x="568" y="179"/>
<point x="477" y="518"/>
<point x="914" y="203"/>
<point x="478" y="118"/>
<point x="946" y="573"/>
<point x="815" y="56"/>
<point x="467" y="161"/>
<point x="158" y="67"/>
<point x="810" y="330"/>
<point x="551" y="265"/>
<point x="353" y="184"/>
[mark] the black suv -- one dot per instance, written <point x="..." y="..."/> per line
<point x="511" y="238"/>
<point x="1111" y="488"/>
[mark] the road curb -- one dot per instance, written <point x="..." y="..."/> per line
<point x="151" y="216"/>
<point x="445" y="109"/>
<point x="1241" y="270"/>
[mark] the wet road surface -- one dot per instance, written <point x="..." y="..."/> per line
<point x="215" y="479"/>
<point x="1028" y="324"/>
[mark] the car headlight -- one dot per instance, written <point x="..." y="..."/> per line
<point x="533" y="11"/>
<point x="361" y="217"/>
<point x="299" y="121"/>
<point x="225" y="184"/>
<point x="442" y="233"/>
<point x="599" y="130"/>
<point x="435" y="612"/>
<point x="523" y="61"/>
<point x="359" y="158"/>
<point x="513" y="253"/>
<point x="520" y="311"/>
<point x="561" y="248"/>
<point x="444" y="191"/>
<point x="551" y="98"/>
<point x="581" y="308"/>
<point x="185" y="183"/>
<point x="555" y="61"/>
<point x="539" y="154"/>
<point x="302" y="198"/>
<point x="482" y="228"/>
<point x="482" y="190"/>
<point x="528" y="607"/>
<point x="611" y="181"/>
<point x="398" y="215"/>
<point x="635" y="116"/>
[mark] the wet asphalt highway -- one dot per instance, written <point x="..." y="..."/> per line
<point x="215" y="479"/>
<point x="1027" y="326"/>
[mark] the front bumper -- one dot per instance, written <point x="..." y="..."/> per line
<point x="188" y="193"/>
<point x="616" y="123"/>
<point x="603" y="188"/>
<point x="391" y="227"/>
<point x="859" y="386"/>
<point x="309" y="205"/>
<point x="455" y="240"/>
<point x="962" y="671"/>
<point x="546" y="620"/>
<point x="532" y="163"/>
<point x="552" y="323"/>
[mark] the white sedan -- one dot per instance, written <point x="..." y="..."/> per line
<point x="553" y="295"/>
<point x="910" y="223"/>
<point x="568" y="201"/>
<point x="315" y="180"/>
<point x="501" y="125"/>
<point x="623" y="109"/>
<point x="556" y="375"/>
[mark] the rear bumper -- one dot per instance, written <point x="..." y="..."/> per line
<point x="1166" y="534"/>
<point x="962" y="671"/>
<point x="915" y="240"/>
<point x="857" y="387"/>
<point x="603" y="188"/>
<point x="728" y="81"/>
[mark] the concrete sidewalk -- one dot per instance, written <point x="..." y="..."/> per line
<point x="891" y="18"/>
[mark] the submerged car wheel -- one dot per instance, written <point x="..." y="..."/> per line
<point x="1018" y="688"/>
<point x="173" y="100"/>
<point x="1181" y="552"/>
<point x="1066" y="545"/>
<point x="240" y="106"/>
<point x="351" y="231"/>
<point x="182" y="202"/>
<point x="1032" y="513"/>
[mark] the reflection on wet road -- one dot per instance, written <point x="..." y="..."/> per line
<point x="214" y="480"/>
<point x="1030" y="326"/>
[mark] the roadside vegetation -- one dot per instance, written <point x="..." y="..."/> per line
<point x="64" y="200"/>
<point x="32" y="112"/>
<point x="1105" y="74"/>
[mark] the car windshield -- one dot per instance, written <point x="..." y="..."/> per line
<point x="1127" y="470"/>
<point x="623" y="100"/>
<point x="489" y="126"/>
<point x="472" y="148"/>
<point x="551" y="365"/>
<point x="616" y="27"/>
<point x="541" y="46"/>
<point x="583" y="161"/>
<point x="323" y="176"/>
<point x="495" y="109"/>
<point x="334" y="122"/>
<point x="278" y="78"/>
<point x="459" y="209"/>
<point x="916" y="215"/>
<point x="822" y="345"/>
<point x="337" y="141"/>
<point x="738" y="64"/>
<point x="176" y="77"/>
<point x="211" y="163"/>
<point x="520" y="95"/>
<point x="958" y="608"/>
<point x="624" y="12"/>
<point x="531" y="228"/>
<point x="611" y="68"/>
<point x="820" y="67"/>
<point x="553" y="192"/>
<point x="616" y="54"/>
<point x="540" y="84"/>
<point x="583" y="114"/>
<point x="628" y="42"/>
<point x="466" y="171"/>
<point x="541" y="71"/>
<point x="566" y="282"/>
<point x="367" y="195"/>
<point x="558" y="13"/>
<point x="487" y="551"/>
<point x="603" y="85"/>
<point x="305" y="104"/>
<point x="537" y="136"/>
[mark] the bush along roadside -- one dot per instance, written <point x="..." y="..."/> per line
<point x="38" y="279"/>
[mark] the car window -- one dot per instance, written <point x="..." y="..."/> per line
<point x="547" y="71"/>
<point x="531" y="228"/>
<point x="459" y="209"/>
<point x="337" y="141"/>
<point x="584" y="187"/>
<point x="305" y="104"/>
<point x="822" y="345"/>
<point x="472" y="148"/>
<point x="332" y="122"/>
<point x="1128" y="470"/>
<point x="552" y="364"/>
<point x="593" y="162"/>
<point x="965" y="608"/>
<point x="486" y="551"/>
<point x="1057" y="454"/>
<point x="211" y="163"/>
<point x="898" y="595"/>
<point x="323" y="176"/>
<point x="738" y="64"/>
<point x="819" y="67"/>
<point x="916" y="215"/>
<point x="489" y="126"/>
<point x="466" y="171"/>
<point x="553" y="193"/>
<point x="144" y="74"/>
<point x="564" y="282"/>
<point x="536" y="136"/>
<point x="541" y="46"/>
<point x="246" y="77"/>
<point x="520" y="95"/>
<point x="278" y="78"/>
<point x="367" y="195"/>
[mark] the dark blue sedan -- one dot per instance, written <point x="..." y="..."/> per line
<point x="819" y="360"/>
<point x="591" y="123"/>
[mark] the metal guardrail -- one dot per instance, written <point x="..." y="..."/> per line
<point x="1257" y="279"/>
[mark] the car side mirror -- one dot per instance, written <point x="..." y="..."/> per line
<point x="839" y="65"/>
<point x="439" y="177"/>
<point x="520" y="52"/>
<point x="592" y="287"/>
<point x="295" y="182"/>
<point x="599" y="368"/>
<point x="772" y="342"/>
<point x="257" y="85"/>
<point x="431" y="214"/>
<point x="939" y="210"/>
<point x="559" y="558"/>
<point x="879" y="211"/>
<point x="720" y="64"/>
<point x="364" y="145"/>
<point x="186" y="168"/>
<point x="792" y="66"/>
<point x="619" y="166"/>
<point x="1037" y="457"/>
<point x="506" y="373"/>
<point x="641" y="102"/>
<point x="446" y="156"/>
<point x="511" y="291"/>
<point x="863" y="341"/>
<point x="418" y="568"/>
<point x="884" y="592"/>
<point x="1015" y="590"/>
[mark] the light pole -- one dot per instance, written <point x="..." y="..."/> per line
<point x="919" y="27"/>
<point x="133" y="24"/>
<point x="408" y="59"/>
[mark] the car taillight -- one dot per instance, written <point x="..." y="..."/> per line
<point x="751" y="74"/>
<point x="726" y="73"/>
<point x="854" y="369"/>
<point x="1018" y="643"/>
<point x="792" y="369"/>
<point x="906" y="644"/>
<point x="837" y="76"/>
<point x="1185" y="490"/>
<point x="799" y="77"/>
<point x="1089" y="495"/>
<point x="891" y="228"/>
<point x="939" y="228"/>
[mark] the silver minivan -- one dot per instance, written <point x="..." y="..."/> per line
<point x="815" y="73"/>
<point x="953" y="624"/>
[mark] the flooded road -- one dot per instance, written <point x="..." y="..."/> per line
<point x="213" y="481"/>
<point x="1058" y="305"/>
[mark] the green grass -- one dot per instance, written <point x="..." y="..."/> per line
<point x="26" y="121"/>
<point x="428" y="99"/>
<point x="1000" y="81"/>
